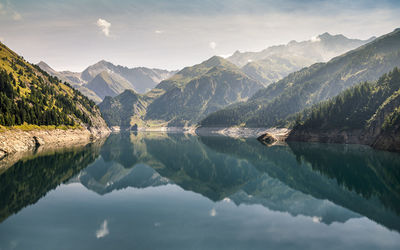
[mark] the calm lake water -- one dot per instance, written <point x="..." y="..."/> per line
<point x="159" y="191"/>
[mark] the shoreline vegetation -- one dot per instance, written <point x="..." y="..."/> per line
<point x="30" y="127"/>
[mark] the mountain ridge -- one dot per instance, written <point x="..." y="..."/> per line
<point x="184" y="98"/>
<point x="272" y="105"/>
<point x="140" y="79"/>
<point x="275" y="62"/>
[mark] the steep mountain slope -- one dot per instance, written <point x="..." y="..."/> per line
<point x="321" y="81"/>
<point x="218" y="85"/>
<point x="124" y="108"/>
<point x="183" y="99"/>
<point x="276" y="62"/>
<point x="29" y="95"/>
<point x="105" y="84"/>
<point x="65" y="76"/>
<point x="105" y="78"/>
<point x="367" y="113"/>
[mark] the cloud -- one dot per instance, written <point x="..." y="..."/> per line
<point x="16" y="16"/>
<point x="213" y="45"/>
<point x="8" y="10"/>
<point x="315" y="39"/>
<point x="158" y="31"/>
<point x="103" y="230"/>
<point x="2" y="10"/>
<point x="104" y="26"/>
<point x="213" y="212"/>
<point x="316" y="219"/>
<point x="225" y="55"/>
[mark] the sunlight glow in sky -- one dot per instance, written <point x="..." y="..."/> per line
<point x="72" y="34"/>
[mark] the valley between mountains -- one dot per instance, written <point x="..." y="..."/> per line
<point x="328" y="89"/>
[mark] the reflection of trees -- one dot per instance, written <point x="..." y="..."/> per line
<point x="358" y="168"/>
<point x="370" y="188"/>
<point x="28" y="180"/>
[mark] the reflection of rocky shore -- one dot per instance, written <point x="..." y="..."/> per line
<point x="32" y="177"/>
<point x="16" y="144"/>
<point x="328" y="184"/>
<point x="187" y="162"/>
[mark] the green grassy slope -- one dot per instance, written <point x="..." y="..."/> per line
<point x="29" y="95"/>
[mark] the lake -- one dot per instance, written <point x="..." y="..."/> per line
<point x="176" y="191"/>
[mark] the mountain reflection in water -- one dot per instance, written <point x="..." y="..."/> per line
<point x="326" y="183"/>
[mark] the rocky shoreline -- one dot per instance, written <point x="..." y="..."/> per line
<point x="15" y="141"/>
<point x="239" y="132"/>
<point x="236" y="132"/>
<point x="377" y="140"/>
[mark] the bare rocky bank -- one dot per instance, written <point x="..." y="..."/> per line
<point x="14" y="141"/>
<point x="383" y="141"/>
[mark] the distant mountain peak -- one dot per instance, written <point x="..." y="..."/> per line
<point x="129" y="92"/>
<point x="44" y="66"/>
<point x="42" y="63"/>
<point x="215" y="60"/>
<point x="325" y="35"/>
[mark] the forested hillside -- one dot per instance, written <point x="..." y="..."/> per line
<point x="274" y="104"/>
<point x="30" y="95"/>
<point x="367" y="113"/>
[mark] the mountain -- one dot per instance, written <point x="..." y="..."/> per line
<point x="183" y="99"/>
<point x="30" y="95"/>
<point x="276" y="62"/>
<point x="321" y="81"/>
<point x="142" y="79"/>
<point x="105" y="84"/>
<point x="122" y="109"/>
<point x="368" y="113"/>
<point x="104" y="78"/>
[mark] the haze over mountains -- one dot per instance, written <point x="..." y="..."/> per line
<point x="184" y="99"/>
<point x="106" y="79"/>
<point x="194" y="92"/>
<point x="237" y="91"/>
<point x="276" y="62"/>
<point x="271" y="106"/>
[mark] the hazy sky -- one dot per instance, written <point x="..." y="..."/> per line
<point x="171" y="34"/>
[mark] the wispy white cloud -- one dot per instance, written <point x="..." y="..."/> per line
<point x="316" y="219"/>
<point x="315" y="39"/>
<point x="104" y="26"/>
<point x="213" y="45"/>
<point x="158" y="31"/>
<point x="2" y="9"/>
<point x="16" y="16"/>
<point x="103" y="230"/>
<point x="9" y="11"/>
<point x="213" y="212"/>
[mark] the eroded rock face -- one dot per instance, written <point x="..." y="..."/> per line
<point x="16" y="141"/>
